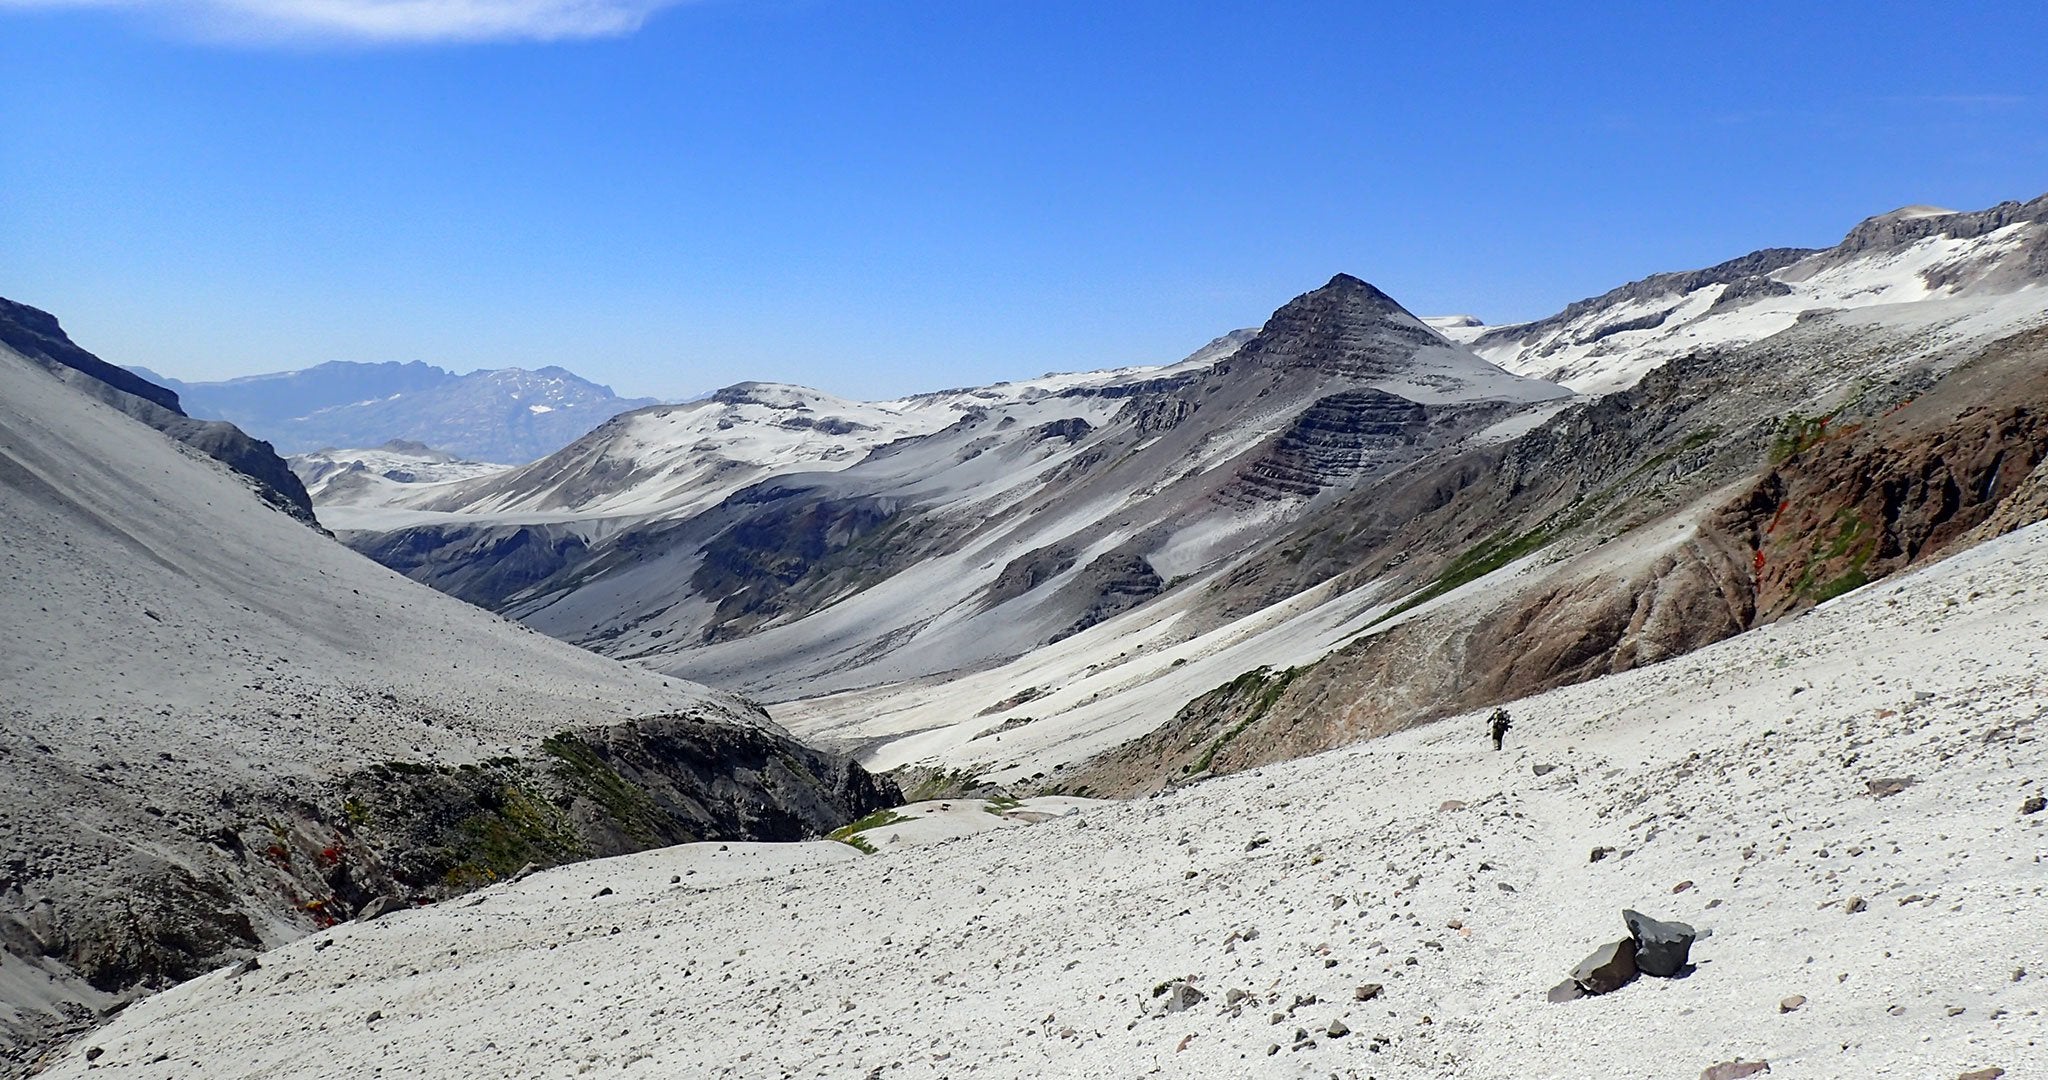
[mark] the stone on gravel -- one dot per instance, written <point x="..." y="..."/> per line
<point x="1567" y="990"/>
<point x="1600" y="853"/>
<point x="1661" y="948"/>
<point x="1337" y="1029"/>
<point x="1992" y="1073"/>
<point x="378" y="907"/>
<point x="2034" y="805"/>
<point x="1792" y="1003"/>
<point x="1367" y="992"/>
<point x="1450" y="804"/>
<point x="1735" y="1070"/>
<point x="1543" y="770"/>
<point x="1610" y="968"/>
<point x="1889" y="785"/>
<point x="1855" y="904"/>
<point x="1181" y="997"/>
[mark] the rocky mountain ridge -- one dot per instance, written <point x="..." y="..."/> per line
<point x="38" y="337"/>
<point x="1919" y="253"/>
<point x="506" y="414"/>
<point x="1111" y="484"/>
<point x="1026" y="591"/>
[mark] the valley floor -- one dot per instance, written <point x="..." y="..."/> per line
<point x="1915" y="925"/>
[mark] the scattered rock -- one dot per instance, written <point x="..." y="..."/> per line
<point x="2034" y="805"/>
<point x="245" y="967"/>
<point x="1889" y="785"/>
<point x="1855" y="904"/>
<point x="1735" y="1070"/>
<point x="1451" y="804"/>
<point x="1600" y="853"/>
<point x="1661" y="948"/>
<point x="1367" y="992"/>
<point x="375" y="1015"/>
<point x="1610" y="968"/>
<point x="1567" y="990"/>
<point x="1543" y="770"/>
<point x="606" y="891"/>
<point x="1337" y="1030"/>
<point x="94" y="1053"/>
<point x="1181" y="997"/>
<point x="1792" y="1004"/>
<point x="1234" y="996"/>
<point x="524" y="872"/>
<point x="1992" y="1073"/>
<point x="1680" y="887"/>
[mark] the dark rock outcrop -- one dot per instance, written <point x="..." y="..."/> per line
<point x="1333" y="442"/>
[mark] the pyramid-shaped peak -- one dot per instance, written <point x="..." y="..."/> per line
<point x="1355" y="290"/>
<point x="1346" y="327"/>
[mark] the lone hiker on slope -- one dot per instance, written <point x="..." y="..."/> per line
<point x="1500" y="726"/>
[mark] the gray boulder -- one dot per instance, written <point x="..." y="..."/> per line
<point x="1661" y="947"/>
<point x="379" y="907"/>
<point x="1610" y="968"/>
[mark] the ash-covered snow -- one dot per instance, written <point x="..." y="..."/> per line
<point x="1610" y="346"/>
<point x="1733" y="786"/>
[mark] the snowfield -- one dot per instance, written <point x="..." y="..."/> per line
<point x="1393" y="909"/>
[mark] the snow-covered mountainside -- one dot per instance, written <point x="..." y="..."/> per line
<point x="1019" y="515"/>
<point x="1914" y="254"/>
<point x="1845" y="809"/>
<point x="507" y="414"/>
<point x="380" y="475"/>
<point x="222" y="729"/>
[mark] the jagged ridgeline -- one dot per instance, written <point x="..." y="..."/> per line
<point x="223" y="730"/>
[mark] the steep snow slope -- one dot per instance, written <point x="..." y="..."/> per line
<point x="1396" y="908"/>
<point x="1919" y="253"/>
<point x="180" y="661"/>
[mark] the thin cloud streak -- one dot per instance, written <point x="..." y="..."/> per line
<point x="381" y="21"/>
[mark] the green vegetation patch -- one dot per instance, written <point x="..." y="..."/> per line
<point x="850" y="834"/>
<point x="583" y="772"/>
<point x="1260" y="688"/>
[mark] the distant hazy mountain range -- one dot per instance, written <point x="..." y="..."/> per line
<point x="510" y="414"/>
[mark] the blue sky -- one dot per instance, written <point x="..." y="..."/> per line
<point x="879" y="197"/>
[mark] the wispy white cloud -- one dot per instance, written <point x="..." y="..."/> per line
<point x="382" y="21"/>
